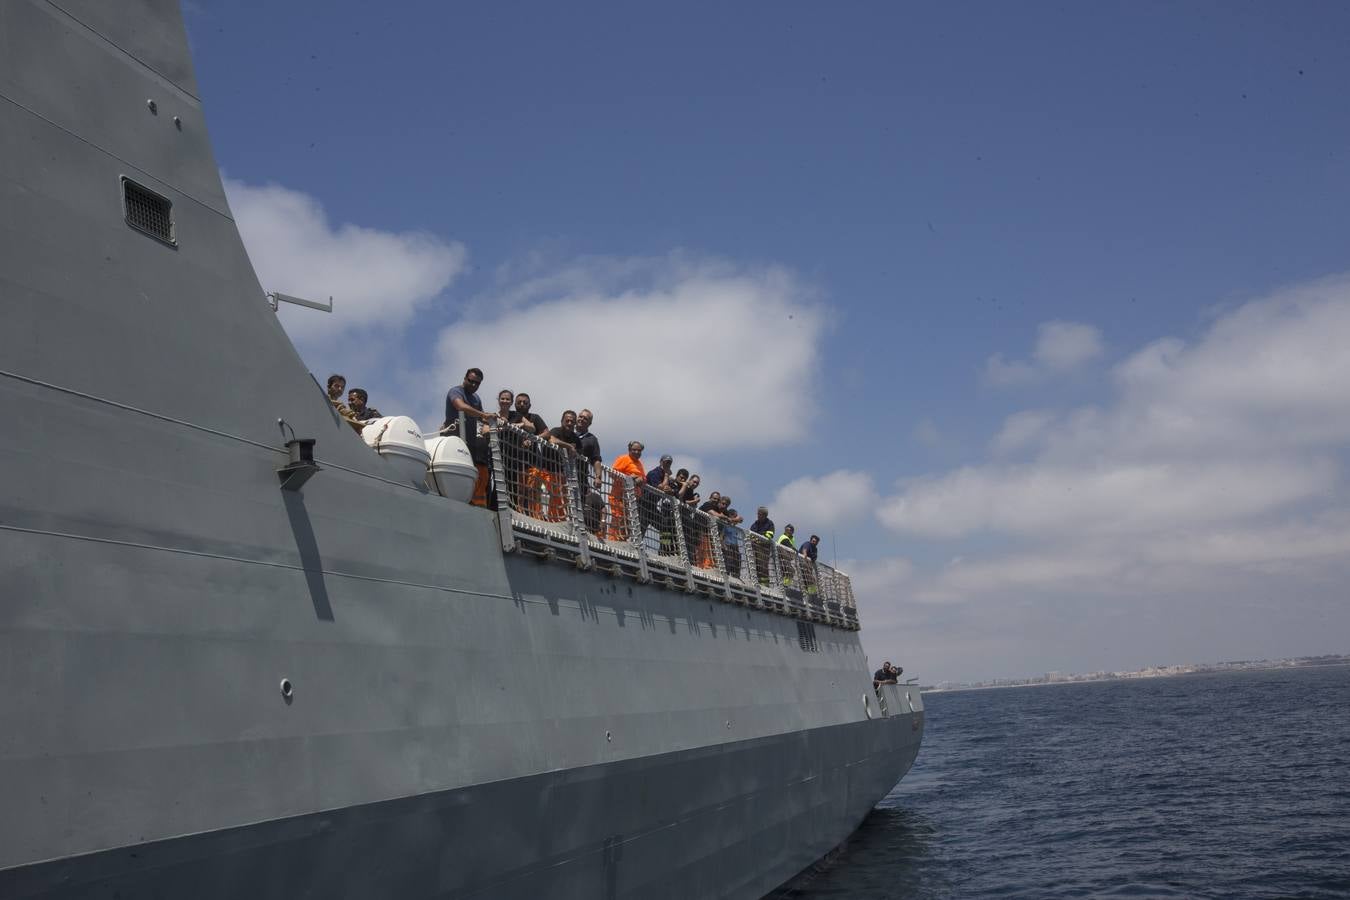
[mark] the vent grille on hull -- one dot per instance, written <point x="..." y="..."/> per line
<point x="806" y="637"/>
<point x="147" y="211"/>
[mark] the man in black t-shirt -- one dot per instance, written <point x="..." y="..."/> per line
<point x="565" y="435"/>
<point x="521" y="415"/>
<point x="811" y="548"/>
<point x="670" y="507"/>
<point x="731" y="536"/>
<point x="763" y="525"/>
<point x="588" y="471"/>
<point x="546" y="475"/>
<point x="523" y="455"/>
<point x="887" y="674"/>
<point x="759" y="550"/>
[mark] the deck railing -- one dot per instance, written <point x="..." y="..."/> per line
<point x="560" y="506"/>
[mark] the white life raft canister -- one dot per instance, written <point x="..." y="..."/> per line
<point x="399" y="440"/>
<point x="452" y="473"/>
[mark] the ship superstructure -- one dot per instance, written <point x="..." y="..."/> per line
<point x="226" y="670"/>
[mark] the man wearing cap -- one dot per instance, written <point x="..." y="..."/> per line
<point x="658" y="477"/>
<point x="660" y="480"/>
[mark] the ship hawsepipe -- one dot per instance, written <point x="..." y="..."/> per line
<point x="211" y="686"/>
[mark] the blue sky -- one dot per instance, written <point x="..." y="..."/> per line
<point x="1040" y="305"/>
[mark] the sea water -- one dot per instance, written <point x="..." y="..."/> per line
<point x="1228" y="785"/>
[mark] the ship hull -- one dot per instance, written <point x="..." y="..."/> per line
<point x="457" y="719"/>
<point x="735" y="820"/>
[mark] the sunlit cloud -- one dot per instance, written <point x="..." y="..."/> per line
<point x="814" y="503"/>
<point x="378" y="279"/>
<point x="675" y="351"/>
<point x="1060" y="347"/>
<point x="1214" y="456"/>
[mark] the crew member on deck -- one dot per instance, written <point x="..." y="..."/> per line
<point x="887" y="674"/>
<point x="462" y="405"/>
<point x="360" y="412"/>
<point x="629" y="464"/>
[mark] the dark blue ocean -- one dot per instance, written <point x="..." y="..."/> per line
<point x="1228" y="785"/>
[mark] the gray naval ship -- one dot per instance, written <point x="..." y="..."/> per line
<point x="246" y="653"/>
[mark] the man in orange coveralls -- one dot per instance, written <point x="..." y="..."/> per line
<point x="628" y="464"/>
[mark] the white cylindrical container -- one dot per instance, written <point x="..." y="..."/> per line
<point x="399" y="440"/>
<point x="452" y="472"/>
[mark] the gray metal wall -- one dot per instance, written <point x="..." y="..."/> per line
<point x="157" y="585"/>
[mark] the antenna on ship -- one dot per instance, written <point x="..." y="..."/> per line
<point x="276" y="298"/>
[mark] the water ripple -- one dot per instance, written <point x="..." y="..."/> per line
<point x="1227" y="786"/>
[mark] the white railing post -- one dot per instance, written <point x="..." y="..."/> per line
<point x="572" y="490"/>
<point x="502" y="491"/>
<point x="715" y="537"/>
<point x="775" y="572"/>
<point x="634" y="524"/>
<point x="682" y="547"/>
<point x="797" y="581"/>
<point x="759" y="549"/>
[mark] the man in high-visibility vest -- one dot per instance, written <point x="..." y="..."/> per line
<point x="785" y="570"/>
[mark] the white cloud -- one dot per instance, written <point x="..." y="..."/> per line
<point x="378" y="279"/>
<point x="1066" y="345"/>
<point x="1196" y="559"/>
<point x="879" y="586"/>
<point x="673" y="351"/>
<point x="1022" y="429"/>
<point x="1052" y="499"/>
<point x="1060" y="347"/>
<point x="648" y="343"/>
<point x="815" y="503"/>
<point x="1216" y="457"/>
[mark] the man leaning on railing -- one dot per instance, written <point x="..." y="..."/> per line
<point x="810" y="549"/>
<point x="731" y="537"/>
<point x="588" y="471"/>
<point x="463" y="416"/>
<point x="887" y="674"/>
<point x="630" y="464"/>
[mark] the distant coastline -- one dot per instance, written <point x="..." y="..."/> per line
<point x="1296" y="662"/>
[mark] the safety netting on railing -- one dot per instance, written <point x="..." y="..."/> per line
<point x="788" y="574"/>
<point x="703" y="543"/>
<point x="836" y="591"/>
<point x="559" y="503"/>
<point x="762" y="567"/>
<point x="609" y="506"/>
<point x="661" y="536"/>
<point x="539" y="479"/>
